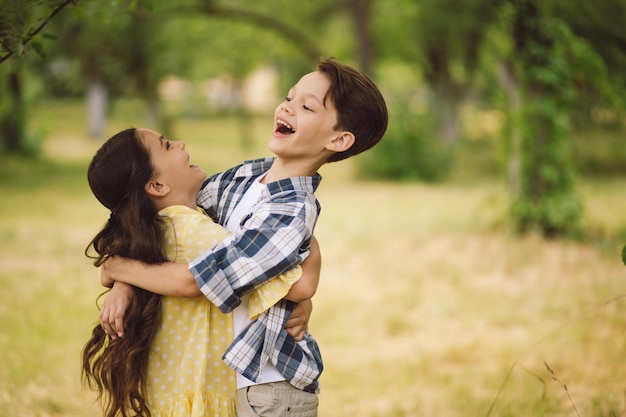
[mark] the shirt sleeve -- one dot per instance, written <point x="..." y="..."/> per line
<point x="273" y="240"/>
<point x="189" y="232"/>
<point x="209" y="194"/>
<point x="272" y="291"/>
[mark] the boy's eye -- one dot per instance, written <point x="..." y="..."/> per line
<point x="167" y="144"/>
<point x="287" y="99"/>
<point x="305" y="107"/>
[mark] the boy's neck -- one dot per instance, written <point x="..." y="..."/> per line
<point x="282" y="169"/>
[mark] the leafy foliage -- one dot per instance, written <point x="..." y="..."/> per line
<point x="130" y="45"/>
<point x="408" y="151"/>
<point x="21" y="25"/>
<point x="547" y="200"/>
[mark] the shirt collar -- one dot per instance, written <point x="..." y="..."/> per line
<point x="256" y="167"/>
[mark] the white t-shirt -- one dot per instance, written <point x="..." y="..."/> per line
<point x="241" y="318"/>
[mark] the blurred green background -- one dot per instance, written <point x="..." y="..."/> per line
<point x="525" y="90"/>
<point x="478" y="240"/>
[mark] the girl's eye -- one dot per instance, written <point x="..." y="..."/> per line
<point x="287" y="99"/>
<point x="307" y="108"/>
<point x="168" y="144"/>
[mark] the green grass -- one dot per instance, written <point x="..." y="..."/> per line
<point x="427" y="305"/>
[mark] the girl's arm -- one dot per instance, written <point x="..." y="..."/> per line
<point x="168" y="278"/>
<point x="120" y="274"/>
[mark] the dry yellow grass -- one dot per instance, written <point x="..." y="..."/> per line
<point x="423" y="308"/>
<point x="425" y="305"/>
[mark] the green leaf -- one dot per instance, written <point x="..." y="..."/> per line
<point x="38" y="47"/>
<point x="79" y="11"/>
<point x="50" y="36"/>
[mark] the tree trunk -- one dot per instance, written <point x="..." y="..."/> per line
<point x="12" y="122"/>
<point x="512" y="136"/>
<point x="547" y="201"/>
<point x="446" y="112"/>
<point x="97" y="102"/>
<point x="446" y="95"/>
<point x="360" y="10"/>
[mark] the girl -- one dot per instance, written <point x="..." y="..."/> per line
<point x="169" y="361"/>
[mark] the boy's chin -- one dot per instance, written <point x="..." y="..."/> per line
<point x="281" y="138"/>
<point x="277" y="145"/>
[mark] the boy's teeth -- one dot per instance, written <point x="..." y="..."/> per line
<point x="284" y="127"/>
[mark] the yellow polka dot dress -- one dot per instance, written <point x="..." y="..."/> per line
<point x="186" y="374"/>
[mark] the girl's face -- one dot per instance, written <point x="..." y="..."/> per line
<point x="172" y="166"/>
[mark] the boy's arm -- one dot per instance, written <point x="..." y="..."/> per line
<point x="296" y="285"/>
<point x="306" y="286"/>
<point x="268" y="244"/>
<point x="276" y="239"/>
<point x="302" y="292"/>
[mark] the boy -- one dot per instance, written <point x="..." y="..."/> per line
<point x="331" y="114"/>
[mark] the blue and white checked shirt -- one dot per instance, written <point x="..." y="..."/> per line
<point x="273" y="238"/>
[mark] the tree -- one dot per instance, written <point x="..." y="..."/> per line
<point x="21" y="25"/>
<point x="601" y="25"/>
<point x="361" y="12"/>
<point x="541" y="70"/>
<point x="118" y="45"/>
<point x="97" y="41"/>
<point x="440" y="42"/>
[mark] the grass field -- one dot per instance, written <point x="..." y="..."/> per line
<point x="428" y="305"/>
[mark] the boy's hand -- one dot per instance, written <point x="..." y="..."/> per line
<point x="114" y="308"/>
<point x="299" y="319"/>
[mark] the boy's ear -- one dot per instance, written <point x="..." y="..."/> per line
<point x="342" y="143"/>
<point x="156" y="189"/>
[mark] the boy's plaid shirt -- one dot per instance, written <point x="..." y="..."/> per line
<point x="273" y="238"/>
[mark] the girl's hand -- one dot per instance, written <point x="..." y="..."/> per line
<point x="114" y="308"/>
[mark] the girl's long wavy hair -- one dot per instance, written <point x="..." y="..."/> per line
<point x="117" y="368"/>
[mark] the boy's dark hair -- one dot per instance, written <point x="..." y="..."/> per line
<point x="360" y="106"/>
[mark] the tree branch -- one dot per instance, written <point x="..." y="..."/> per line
<point x="31" y="35"/>
<point x="295" y="36"/>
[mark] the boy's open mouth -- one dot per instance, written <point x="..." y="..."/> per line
<point x="283" y="127"/>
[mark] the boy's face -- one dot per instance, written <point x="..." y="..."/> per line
<point x="304" y="124"/>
